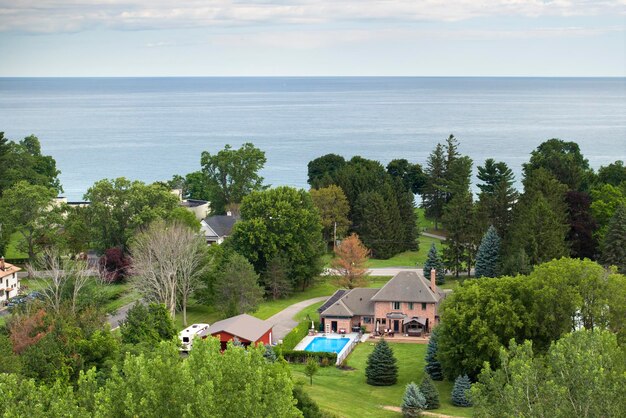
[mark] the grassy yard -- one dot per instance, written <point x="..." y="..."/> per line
<point x="11" y="250"/>
<point x="346" y="394"/>
<point x="324" y="286"/>
<point x="408" y="258"/>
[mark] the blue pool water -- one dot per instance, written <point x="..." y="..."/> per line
<point x="329" y="345"/>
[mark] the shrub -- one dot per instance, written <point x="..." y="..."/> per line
<point x="430" y="392"/>
<point x="324" y="359"/>
<point x="307" y="405"/>
<point x="413" y="402"/>
<point x="381" y="367"/>
<point x="460" y="395"/>
<point x="296" y="335"/>
<point x="114" y="265"/>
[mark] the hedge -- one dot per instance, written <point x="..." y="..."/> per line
<point x="17" y="261"/>
<point x="323" y="358"/>
<point x="296" y="335"/>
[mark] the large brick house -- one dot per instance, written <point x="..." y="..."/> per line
<point x="407" y="303"/>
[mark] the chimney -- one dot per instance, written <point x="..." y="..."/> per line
<point x="433" y="282"/>
<point x="2" y="266"/>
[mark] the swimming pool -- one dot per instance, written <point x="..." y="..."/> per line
<point x="329" y="345"/>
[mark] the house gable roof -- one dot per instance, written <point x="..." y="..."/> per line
<point x="242" y="326"/>
<point x="8" y="270"/>
<point x="332" y="299"/>
<point x="350" y="303"/>
<point x="221" y="225"/>
<point x="407" y="286"/>
<point x="338" y="309"/>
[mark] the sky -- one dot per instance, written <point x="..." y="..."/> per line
<point x="64" y="38"/>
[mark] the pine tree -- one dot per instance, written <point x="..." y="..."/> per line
<point x="488" y="255"/>
<point x="459" y="225"/>
<point x="430" y="392"/>
<point x="614" y="243"/>
<point x="433" y="192"/>
<point x="460" y="395"/>
<point x="433" y="261"/>
<point x="381" y="367"/>
<point x="433" y="367"/>
<point x="413" y="402"/>
<point x="270" y="354"/>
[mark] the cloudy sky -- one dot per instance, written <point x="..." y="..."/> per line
<point x="313" y="37"/>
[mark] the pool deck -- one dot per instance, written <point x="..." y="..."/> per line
<point x="353" y="337"/>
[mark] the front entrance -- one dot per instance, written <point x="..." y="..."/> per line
<point x="396" y="325"/>
<point x="333" y="326"/>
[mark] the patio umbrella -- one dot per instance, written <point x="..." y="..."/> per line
<point x="312" y="325"/>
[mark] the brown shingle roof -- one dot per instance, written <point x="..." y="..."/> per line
<point x="352" y="302"/>
<point x="338" y="309"/>
<point x="242" y="326"/>
<point x="8" y="270"/>
<point x="407" y="286"/>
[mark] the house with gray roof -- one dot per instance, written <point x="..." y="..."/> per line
<point x="218" y="227"/>
<point x="407" y="304"/>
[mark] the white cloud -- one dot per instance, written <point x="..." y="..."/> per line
<point x="46" y="16"/>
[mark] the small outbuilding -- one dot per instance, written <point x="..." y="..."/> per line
<point x="245" y="328"/>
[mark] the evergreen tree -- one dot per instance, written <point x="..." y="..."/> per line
<point x="497" y="194"/>
<point x="458" y="219"/>
<point x="270" y="354"/>
<point x="430" y="392"/>
<point x="433" y="366"/>
<point x="581" y="237"/>
<point x="488" y="255"/>
<point x="376" y="219"/>
<point x="614" y="244"/>
<point x="433" y="261"/>
<point x="433" y="194"/>
<point x="381" y="369"/>
<point x="276" y="278"/>
<point x="460" y="395"/>
<point x="413" y="402"/>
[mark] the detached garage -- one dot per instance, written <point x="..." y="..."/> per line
<point x="247" y="329"/>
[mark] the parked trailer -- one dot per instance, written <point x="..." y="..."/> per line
<point x="187" y="335"/>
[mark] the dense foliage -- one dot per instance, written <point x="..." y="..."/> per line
<point x="162" y="383"/>
<point x="281" y="221"/>
<point x="581" y="375"/>
<point x="482" y="316"/>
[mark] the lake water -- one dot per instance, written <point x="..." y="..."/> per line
<point x="152" y="128"/>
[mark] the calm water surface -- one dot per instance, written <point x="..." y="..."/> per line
<point x="152" y="128"/>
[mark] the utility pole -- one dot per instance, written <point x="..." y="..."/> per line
<point x="335" y="236"/>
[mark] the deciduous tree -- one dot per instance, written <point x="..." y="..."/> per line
<point x="333" y="208"/>
<point x="233" y="174"/>
<point x="349" y="262"/>
<point x="281" y="221"/>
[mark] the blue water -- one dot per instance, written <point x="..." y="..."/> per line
<point x="152" y="128"/>
<point x="328" y="345"/>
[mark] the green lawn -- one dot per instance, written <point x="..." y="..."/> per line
<point x="11" y="250"/>
<point x="408" y="258"/>
<point x="346" y="394"/>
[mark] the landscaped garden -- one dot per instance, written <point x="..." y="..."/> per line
<point x="346" y="394"/>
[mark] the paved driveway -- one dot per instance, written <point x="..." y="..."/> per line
<point x="283" y="321"/>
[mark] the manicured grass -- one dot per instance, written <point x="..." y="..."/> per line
<point x="11" y="250"/>
<point x="346" y="394"/>
<point x="408" y="258"/>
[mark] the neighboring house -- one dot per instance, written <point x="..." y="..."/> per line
<point x="9" y="282"/>
<point x="247" y="329"/>
<point x="217" y="228"/>
<point x="406" y="304"/>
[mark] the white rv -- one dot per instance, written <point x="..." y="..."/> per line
<point x="187" y="335"/>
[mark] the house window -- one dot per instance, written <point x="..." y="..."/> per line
<point x="410" y="305"/>
<point x="367" y="319"/>
<point x="383" y="321"/>
<point x="395" y="305"/>
<point x="423" y="306"/>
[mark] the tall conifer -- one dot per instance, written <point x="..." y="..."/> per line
<point x="488" y="256"/>
<point x="381" y="369"/>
